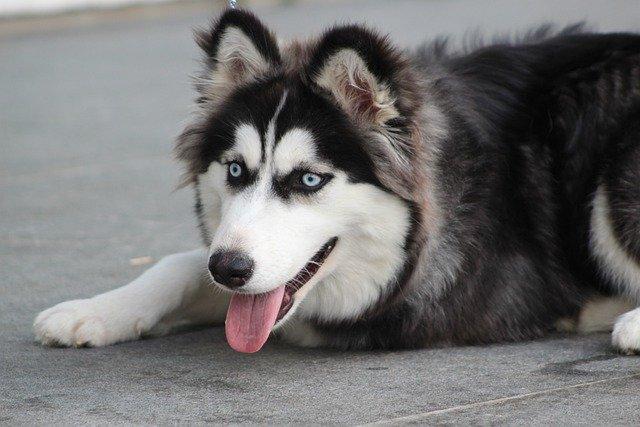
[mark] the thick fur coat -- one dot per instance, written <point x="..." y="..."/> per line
<point x="482" y="195"/>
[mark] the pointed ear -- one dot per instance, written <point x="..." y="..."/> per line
<point x="358" y="69"/>
<point x="239" y="49"/>
<point x="382" y="92"/>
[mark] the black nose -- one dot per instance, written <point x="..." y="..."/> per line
<point x="230" y="268"/>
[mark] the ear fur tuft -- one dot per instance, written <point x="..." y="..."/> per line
<point x="346" y="76"/>
<point x="264" y="41"/>
<point x="239" y="49"/>
<point x="377" y="86"/>
<point x="358" y="67"/>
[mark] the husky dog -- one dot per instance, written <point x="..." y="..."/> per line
<point x="354" y="195"/>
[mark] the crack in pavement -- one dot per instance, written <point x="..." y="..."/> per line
<point x="423" y="415"/>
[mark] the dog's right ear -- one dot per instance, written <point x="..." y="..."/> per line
<point x="238" y="48"/>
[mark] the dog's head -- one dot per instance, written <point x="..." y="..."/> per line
<point x="305" y="159"/>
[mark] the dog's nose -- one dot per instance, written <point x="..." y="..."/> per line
<point x="231" y="268"/>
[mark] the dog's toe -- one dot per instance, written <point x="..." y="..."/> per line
<point x="626" y="332"/>
<point x="91" y="333"/>
<point x="71" y="323"/>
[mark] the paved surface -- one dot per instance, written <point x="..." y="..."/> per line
<point x="87" y="118"/>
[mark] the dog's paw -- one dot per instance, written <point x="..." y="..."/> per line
<point x="626" y="332"/>
<point x="74" y="323"/>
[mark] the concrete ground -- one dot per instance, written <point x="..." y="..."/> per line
<point x="88" y="111"/>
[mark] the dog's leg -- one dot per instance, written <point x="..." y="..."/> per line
<point x="618" y="262"/>
<point x="302" y="334"/>
<point x="615" y="234"/>
<point x="600" y="314"/>
<point x="174" y="292"/>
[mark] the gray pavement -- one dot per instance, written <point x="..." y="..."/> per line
<point x="87" y="118"/>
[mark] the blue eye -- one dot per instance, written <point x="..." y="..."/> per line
<point x="311" y="179"/>
<point x="235" y="170"/>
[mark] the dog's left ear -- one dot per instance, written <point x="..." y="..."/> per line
<point x="360" y="70"/>
<point x="379" y="89"/>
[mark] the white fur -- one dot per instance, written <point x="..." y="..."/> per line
<point x="270" y="137"/>
<point x="620" y="268"/>
<point x="600" y="314"/>
<point x="238" y="62"/>
<point x="614" y="261"/>
<point x="236" y="46"/>
<point x="174" y="292"/>
<point x="282" y="235"/>
<point x="626" y="332"/>
<point x="300" y="333"/>
<point x="294" y="148"/>
<point x="247" y="145"/>
<point x="346" y="74"/>
<point x="369" y="253"/>
<point x="210" y="195"/>
<point x="277" y="235"/>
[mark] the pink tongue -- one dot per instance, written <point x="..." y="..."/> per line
<point x="250" y="319"/>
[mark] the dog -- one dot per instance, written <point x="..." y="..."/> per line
<point x="355" y="195"/>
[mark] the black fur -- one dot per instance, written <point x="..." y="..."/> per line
<point x="535" y="128"/>
<point x="338" y="142"/>
<point x="622" y="180"/>
<point x="217" y="133"/>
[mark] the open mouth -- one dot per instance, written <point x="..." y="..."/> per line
<point x="301" y="279"/>
<point x="250" y="318"/>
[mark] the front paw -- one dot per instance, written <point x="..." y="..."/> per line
<point x="626" y="332"/>
<point x="76" y="323"/>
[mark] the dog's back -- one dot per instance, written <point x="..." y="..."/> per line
<point x="538" y="191"/>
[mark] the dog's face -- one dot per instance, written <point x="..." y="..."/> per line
<point x="293" y="158"/>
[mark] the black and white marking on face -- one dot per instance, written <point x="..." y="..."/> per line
<point x="288" y="173"/>
<point x="265" y="178"/>
<point x="288" y="165"/>
<point x="291" y="135"/>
